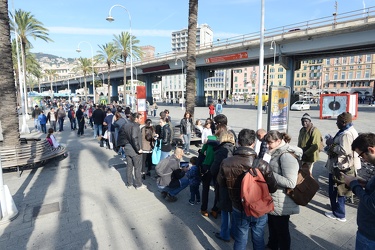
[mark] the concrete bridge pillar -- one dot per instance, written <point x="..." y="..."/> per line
<point x="200" y="99"/>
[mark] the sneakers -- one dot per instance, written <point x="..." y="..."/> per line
<point x="163" y="194"/>
<point x="171" y="198"/>
<point x="191" y="202"/>
<point x="130" y="187"/>
<point x="204" y="213"/>
<point x="198" y="201"/>
<point x="141" y="187"/>
<point x="332" y="216"/>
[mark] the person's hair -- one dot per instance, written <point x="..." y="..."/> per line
<point x="179" y="152"/>
<point x="364" y="141"/>
<point x="226" y="136"/>
<point x="207" y="123"/>
<point x="193" y="160"/>
<point x="166" y="111"/>
<point x="186" y="113"/>
<point x="118" y="115"/>
<point x="50" y="132"/>
<point x="109" y="110"/>
<point x="274" y="135"/>
<point x="246" y="137"/>
<point x="221" y="119"/>
<point x="220" y="128"/>
<point x="133" y="116"/>
<point x="53" y="108"/>
<point x="162" y="115"/>
<point x="261" y="132"/>
<point x="197" y="122"/>
<point x="148" y="122"/>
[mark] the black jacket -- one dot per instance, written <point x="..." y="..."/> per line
<point x="183" y="126"/>
<point x="98" y="116"/>
<point x="130" y="136"/>
<point x="166" y="138"/>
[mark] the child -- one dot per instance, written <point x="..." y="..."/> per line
<point x="193" y="175"/>
<point x="51" y="139"/>
<point x="42" y="118"/>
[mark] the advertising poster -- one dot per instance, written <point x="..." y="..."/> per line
<point x="332" y="105"/>
<point x="278" y="106"/>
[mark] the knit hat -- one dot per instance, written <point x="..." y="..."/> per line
<point x="345" y="117"/>
<point x="306" y="116"/>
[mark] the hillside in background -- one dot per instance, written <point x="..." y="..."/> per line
<point x="48" y="58"/>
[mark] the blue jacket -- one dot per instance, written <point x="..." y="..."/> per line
<point x="42" y="118"/>
<point x="194" y="176"/>
<point x="366" y="207"/>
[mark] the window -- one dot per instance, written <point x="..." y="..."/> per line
<point x="367" y="74"/>
<point x="326" y="77"/>
<point x="343" y="76"/>
<point x="358" y="76"/>
<point x="352" y="59"/>
<point x="328" y="62"/>
<point x="235" y="79"/>
<point x="368" y="58"/>
<point x="350" y="75"/>
<point x="335" y="77"/>
<point x="344" y="60"/>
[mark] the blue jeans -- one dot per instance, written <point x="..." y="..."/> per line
<point x="43" y="127"/>
<point x="240" y="229"/>
<point x="52" y="124"/>
<point x="61" y="124"/>
<point x="184" y="182"/>
<point x="122" y="152"/>
<point x="187" y="139"/>
<point x="337" y="202"/>
<point x="225" y="229"/>
<point x="194" y="193"/>
<point x="37" y="124"/>
<point x="362" y="243"/>
<point x="163" y="155"/>
<point x="98" y="130"/>
<point x="73" y="123"/>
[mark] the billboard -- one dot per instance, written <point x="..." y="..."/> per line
<point x="332" y="105"/>
<point x="278" y="106"/>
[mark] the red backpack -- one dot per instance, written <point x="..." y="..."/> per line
<point x="255" y="196"/>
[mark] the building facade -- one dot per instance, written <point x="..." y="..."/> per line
<point x="179" y="41"/>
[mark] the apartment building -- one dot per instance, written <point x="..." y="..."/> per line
<point x="179" y="39"/>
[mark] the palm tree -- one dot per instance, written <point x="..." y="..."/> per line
<point x="122" y="42"/>
<point x="191" y="56"/>
<point x="108" y="54"/>
<point x="51" y="74"/>
<point x="84" y="66"/>
<point x="27" y="25"/>
<point x="8" y="116"/>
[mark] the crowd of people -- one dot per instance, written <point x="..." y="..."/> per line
<point x="223" y="160"/>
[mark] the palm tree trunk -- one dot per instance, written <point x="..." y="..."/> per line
<point x="85" y="88"/>
<point x="191" y="57"/>
<point x="124" y="94"/>
<point x="8" y="102"/>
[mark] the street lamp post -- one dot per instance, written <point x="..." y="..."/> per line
<point x="273" y="43"/>
<point x="92" y="65"/>
<point x="102" y="78"/>
<point x="111" y="19"/>
<point x="182" y="80"/>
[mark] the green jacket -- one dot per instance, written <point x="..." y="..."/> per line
<point x="309" y="142"/>
<point x="208" y="149"/>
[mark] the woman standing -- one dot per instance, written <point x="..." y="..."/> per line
<point x="148" y="134"/>
<point x="52" y="118"/>
<point x="211" y="111"/>
<point x="165" y="136"/>
<point x="206" y="131"/>
<point x="285" y="168"/>
<point x="186" y="128"/>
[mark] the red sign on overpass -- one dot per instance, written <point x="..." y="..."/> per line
<point x="230" y="57"/>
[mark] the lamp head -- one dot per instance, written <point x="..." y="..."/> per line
<point x="110" y="19"/>
<point x="78" y="50"/>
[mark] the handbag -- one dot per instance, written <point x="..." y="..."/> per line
<point x="156" y="152"/>
<point x="305" y="188"/>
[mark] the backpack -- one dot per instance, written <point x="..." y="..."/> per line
<point x="306" y="186"/>
<point x="255" y="196"/>
<point x="321" y="144"/>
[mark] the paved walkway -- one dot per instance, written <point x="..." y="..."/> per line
<point x="81" y="202"/>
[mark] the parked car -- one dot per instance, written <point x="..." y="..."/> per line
<point x="300" y="105"/>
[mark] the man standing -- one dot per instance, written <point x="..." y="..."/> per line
<point x="72" y="118"/>
<point x="36" y="112"/>
<point x="130" y="137"/>
<point x="61" y="116"/>
<point x="98" y="118"/>
<point x="230" y="176"/>
<point x="309" y="140"/>
<point x="341" y="159"/>
<point x="52" y="118"/>
<point x="81" y="120"/>
<point x="364" y="145"/>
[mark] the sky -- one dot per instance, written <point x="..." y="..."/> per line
<point x="153" y="21"/>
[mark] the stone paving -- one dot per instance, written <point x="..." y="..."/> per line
<point x="81" y="202"/>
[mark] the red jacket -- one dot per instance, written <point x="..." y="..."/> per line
<point x="212" y="109"/>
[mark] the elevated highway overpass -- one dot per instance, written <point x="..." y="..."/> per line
<point x="351" y="33"/>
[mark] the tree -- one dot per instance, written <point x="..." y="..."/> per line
<point x="84" y="66"/>
<point x="108" y="54"/>
<point x="8" y="115"/>
<point x="191" y="56"/>
<point x="27" y="25"/>
<point x="122" y="42"/>
<point x="51" y="74"/>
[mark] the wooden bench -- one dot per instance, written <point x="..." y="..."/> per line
<point x="177" y="141"/>
<point x="28" y="154"/>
